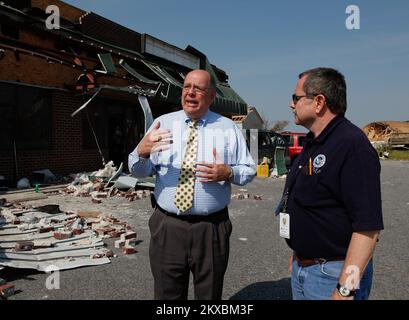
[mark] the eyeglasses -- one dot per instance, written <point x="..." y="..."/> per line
<point x="196" y="89"/>
<point x="298" y="98"/>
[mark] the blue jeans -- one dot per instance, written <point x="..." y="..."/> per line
<point x="319" y="281"/>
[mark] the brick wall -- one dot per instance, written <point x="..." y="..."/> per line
<point x="66" y="155"/>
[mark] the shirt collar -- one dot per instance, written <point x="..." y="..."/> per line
<point x="327" y="130"/>
<point x="202" y="121"/>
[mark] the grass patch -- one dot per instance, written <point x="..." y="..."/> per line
<point x="398" y="154"/>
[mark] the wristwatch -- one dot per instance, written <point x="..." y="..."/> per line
<point x="231" y="176"/>
<point x="345" y="291"/>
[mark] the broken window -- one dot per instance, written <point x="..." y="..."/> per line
<point x="7" y="103"/>
<point x="25" y="117"/>
<point x="34" y="118"/>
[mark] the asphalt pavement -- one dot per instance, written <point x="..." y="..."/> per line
<point x="258" y="266"/>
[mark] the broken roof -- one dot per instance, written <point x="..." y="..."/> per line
<point x="89" y="29"/>
<point x="384" y="130"/>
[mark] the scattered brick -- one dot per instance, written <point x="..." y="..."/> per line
<point x="46" y="229"/>
<point x="112" y="219"/>
<point x="89" y="214"/>
<point x="62" y="235"/>
<point x="104" y="231"/>
<point x="130" y="242"/>
<point x="77" y="231"/>
<point x="119" y="244"/>
<point x="116" y="233"/>
<point x="109" y="254"/>
<point x="24" y="246"/>
<point x="128" y="235"/>
<point x="128" y="250"/>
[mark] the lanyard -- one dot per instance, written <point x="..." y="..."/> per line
<point x="284" y="200"/>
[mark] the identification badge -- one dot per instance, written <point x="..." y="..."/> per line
<point x="284" y="225"/>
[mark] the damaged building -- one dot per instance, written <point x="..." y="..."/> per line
<point x="74" y="97"/>
<point x="391" y="133"/>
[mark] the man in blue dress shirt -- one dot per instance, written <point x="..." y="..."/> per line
<point x="196" y="154"/>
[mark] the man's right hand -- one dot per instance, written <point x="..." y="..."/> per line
<point x="155" y="141"/>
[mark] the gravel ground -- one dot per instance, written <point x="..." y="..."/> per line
<point x="258" y="259"/>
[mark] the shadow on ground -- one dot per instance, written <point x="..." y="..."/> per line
<point x="13" y="274"/>
<point x="266" y="290"/>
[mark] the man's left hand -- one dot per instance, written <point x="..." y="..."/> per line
<point x="212" y="172"/>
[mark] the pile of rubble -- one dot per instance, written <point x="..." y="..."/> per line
<point x="47" y="239"/>
<point x="388" y="133"/>
<point x="107" y="182"/>
<point x="245" y="195"/>
<point x="38" y="238"/>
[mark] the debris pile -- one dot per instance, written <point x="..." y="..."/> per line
<point x="44" y="237"/>
<point x="107" y="182"/>
<point x="392" y="133"/>
<point x="245" y="195"/>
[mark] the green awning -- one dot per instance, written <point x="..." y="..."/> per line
<point x="226" y="92"/>
<point x="107" y="63"/>
<point x="163" y="74"/>
<point x="136" y="74"/>
<point x="227" y="100"/>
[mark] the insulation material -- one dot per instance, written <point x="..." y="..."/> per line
<point x="107" y="172"/>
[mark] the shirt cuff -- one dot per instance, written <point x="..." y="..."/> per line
<point x="136" y="158"/>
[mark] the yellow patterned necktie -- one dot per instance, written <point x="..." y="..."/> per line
<point x="186" y="184"/>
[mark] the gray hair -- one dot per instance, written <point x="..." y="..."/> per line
<point x="331" y="84"/>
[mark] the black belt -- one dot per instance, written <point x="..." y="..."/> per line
<point x="212" y="217"/>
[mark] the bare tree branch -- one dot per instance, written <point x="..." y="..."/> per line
<point x="279" y="125"/>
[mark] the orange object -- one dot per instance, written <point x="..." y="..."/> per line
<point x="310" y="167"/>
<point x="262" y="170"/>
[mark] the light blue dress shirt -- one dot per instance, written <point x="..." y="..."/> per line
<point x="214" y="131"/>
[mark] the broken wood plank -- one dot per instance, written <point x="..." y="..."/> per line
<point x="21" y="197"/>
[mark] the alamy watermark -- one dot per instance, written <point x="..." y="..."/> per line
<point x="53" y="280"/>
<point x="354" y="276"/>
<point x="53" y="20"/>
<point x="353" y="21"/>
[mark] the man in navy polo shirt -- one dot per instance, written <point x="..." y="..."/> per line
<point x="331" y="213"/>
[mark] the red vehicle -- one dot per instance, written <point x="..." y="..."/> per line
<point x="295" y="141"/>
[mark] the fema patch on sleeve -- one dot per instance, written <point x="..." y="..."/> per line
<point x="319" y="161"/>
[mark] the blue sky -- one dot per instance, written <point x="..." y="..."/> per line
<point x="264" y="45"/>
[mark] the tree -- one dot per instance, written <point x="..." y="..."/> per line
<point x="266" y="124"/>
<point x="279" y="125"/>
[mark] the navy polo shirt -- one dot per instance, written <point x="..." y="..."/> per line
<point x="341" y="196"/>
